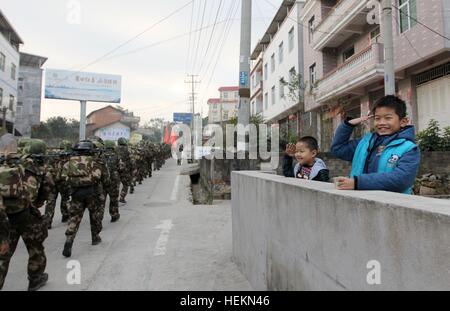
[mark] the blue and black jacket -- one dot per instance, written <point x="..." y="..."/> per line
<point x="388" y="163"/>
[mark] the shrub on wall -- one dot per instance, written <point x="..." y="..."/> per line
<point x="432" y="139"/>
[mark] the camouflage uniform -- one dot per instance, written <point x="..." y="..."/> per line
<point x="113" y="190"/>
<point x="83" y="172"/>
<point x="55" y="169"/>
<point x="4" y="236"/>
<point x="26" y="221"/>
<point x="125" y="168"/>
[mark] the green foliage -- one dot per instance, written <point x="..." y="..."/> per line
<point x="295" y="86"/>
<point x="431" y="138"/>
<point x="156" y="125"/>
<point x="57" y="128"/>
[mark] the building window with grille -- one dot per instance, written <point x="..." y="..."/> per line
<point x="407" y="12"/>
<point x="273" y="95"/>
<point x="2" y="61"/>
<point x="11" y="102"/>
<point x="291" y="39"/>
<point x="1" y="97"/>
<point x="266" y="72"/>
<point x="281" y="86"/>
<point x="280" y="52"/>
<point x="272" y="63"/>
<point x="266" y="101"/>
<point x="312" y="74"/>
<point x="310" y="29"/>
<point x="13" y="71"/>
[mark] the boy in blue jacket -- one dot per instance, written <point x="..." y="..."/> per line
<point x="387" y="159"/>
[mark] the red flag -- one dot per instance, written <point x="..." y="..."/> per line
<point x="166" y="136"/>
<point x="173" y="138"/>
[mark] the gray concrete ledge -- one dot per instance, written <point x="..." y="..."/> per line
<point x="291" y="234"/>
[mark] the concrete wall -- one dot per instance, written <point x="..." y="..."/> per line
<point x="299" y="235"/>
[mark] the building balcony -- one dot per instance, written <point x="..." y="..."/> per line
<point x="351" y="77"/>
<point x="346" y="18"/>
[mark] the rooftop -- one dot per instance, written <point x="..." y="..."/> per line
<point x="31" y="60"/>
<point x="9" y="32"/>
<point x="229" y="89"/>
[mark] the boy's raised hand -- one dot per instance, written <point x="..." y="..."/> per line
<point x="358" y="121"/>
<point x="290" y="150"/>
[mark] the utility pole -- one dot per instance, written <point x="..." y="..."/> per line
<point x="193" y="82"/>
<point x="4" y="109"/>
<point x="386" y="33"/>
<point x="82" y="120"/>
<point x="244" y="68"/>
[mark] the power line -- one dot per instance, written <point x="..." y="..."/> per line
<point x="420" y="23"/>
<point x="190" y="35"/>
<point x="199" y="37"/>
<point x="135" y="37"/>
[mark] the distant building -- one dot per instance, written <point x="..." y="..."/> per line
<point x="28" y="112"/>
<point x="110" y="123"/>
<point x="10" y="42"/>
<point x="225" y="107"/>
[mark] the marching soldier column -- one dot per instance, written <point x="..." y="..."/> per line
<point x="31" y="177"/>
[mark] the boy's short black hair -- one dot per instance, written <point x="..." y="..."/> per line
<point x="393" y="102"/>
<point x="310" y="142"/>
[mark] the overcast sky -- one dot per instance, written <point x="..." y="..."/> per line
<point x="152" y="77"/>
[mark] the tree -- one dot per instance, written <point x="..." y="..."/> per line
<point x="156" y="125"/>
<point x="295" y="86"/>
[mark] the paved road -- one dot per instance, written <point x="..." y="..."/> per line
<point x="162" y="242"/>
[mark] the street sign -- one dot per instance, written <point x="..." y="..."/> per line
<point x="243" y="78"/>
<point x="185" y="118"/>
<point x="82" y="86"/>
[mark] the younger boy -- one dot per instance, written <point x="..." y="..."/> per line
<point x="308" y="165"/>
<point x="386" y="160"/>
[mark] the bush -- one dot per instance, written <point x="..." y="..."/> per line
<point x="431" y="139"/>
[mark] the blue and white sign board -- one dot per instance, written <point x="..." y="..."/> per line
<point x="82" y="86"/>
<point x="243" y="78"/>
<point x="185" y="118"/>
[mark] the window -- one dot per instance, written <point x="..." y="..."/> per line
<point x="11" y="102"/>
<point x="312" y="74"/>
<point x="273" y="95"/>
<point x="407" y="12"/>
<point x="348" y="53"/>
<point x="281" y="86"/>
<point x="13" y="71"/>
<point x="291" y="39"/>
<point x="266" y="101"/>
<point x="266" y="72"/>
<point x="280" y="53"/>
<point x="375" y="35"/>
<point x="225" y="115"/>
<point x="310" y="29"/>
<point x="2" y="61"/>
<point x="272" y="63"/>
<point x="225" y="95"/>
<point x="1" y="97"/>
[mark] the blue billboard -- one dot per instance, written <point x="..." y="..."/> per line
<point x="185" y="118"/>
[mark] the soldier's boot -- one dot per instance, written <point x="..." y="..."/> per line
<point x="122" y="200"/>
<point x="131" y="189"/>
<point x="115" y="218"/>
<point x="96" y="239"/>
<point x="35" y="284"/>
<point x="67" y="252"/>
<point x="65" y="218"/>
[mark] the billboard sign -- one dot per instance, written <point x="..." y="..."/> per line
<point x="114" y="133"/>
<point x="185" y="118"/>
<point x="82" y="86"/>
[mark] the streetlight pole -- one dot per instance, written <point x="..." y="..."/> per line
<point x="386" y="29"/>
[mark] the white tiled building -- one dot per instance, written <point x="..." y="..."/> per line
<point x="9" y="67"/>
<point x="225" y="107"/>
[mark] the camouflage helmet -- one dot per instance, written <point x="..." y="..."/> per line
<point x="109" y="144"/>
<point x="65" y="145"/>
<point x="23" y="142"/>
<point x="35" y="146"/>
<point x="84" y="145"/>
<point x="122" y="141"/>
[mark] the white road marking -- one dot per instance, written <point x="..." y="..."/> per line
<point x="165" y="227"/>
<point x="174" y="195"/>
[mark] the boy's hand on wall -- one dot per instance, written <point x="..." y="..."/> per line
<point x="344" y="183"/>
<point x="4" y="248"/>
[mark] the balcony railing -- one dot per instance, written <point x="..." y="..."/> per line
<point x="360" y="69"/>
<point x="332" y="24"/>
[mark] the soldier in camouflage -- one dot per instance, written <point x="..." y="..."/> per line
<point x="25" y="186"/>
<point x="82" y="172"/>
<point x="112" y="162"/>
<point x="125" y="167"/>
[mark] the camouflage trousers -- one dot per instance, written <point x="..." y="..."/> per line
<point x="82" y="200"/>
<point x="51" y="205"/>
<point x="126" y="180"/>
<point x="113" y="191"/>
<point x="30" y="226"/>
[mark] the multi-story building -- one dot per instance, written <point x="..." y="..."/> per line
<point x="226" y="107"/>
<point x="277" y="59"/>
<point x="344" y="61"/>
<point x="10" y="42"/>
<point x="28" y="112"/>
